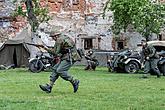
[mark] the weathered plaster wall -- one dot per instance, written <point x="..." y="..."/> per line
<point x="82" y="19"/>
<point x="8" y="25"/>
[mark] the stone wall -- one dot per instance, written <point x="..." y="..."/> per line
<point x="9" y="26"/>
<point x="82" y="20"/>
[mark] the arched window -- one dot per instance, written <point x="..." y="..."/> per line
<point x="88" y="44"/>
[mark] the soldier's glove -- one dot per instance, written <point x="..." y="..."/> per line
<point x="147" y="58"/>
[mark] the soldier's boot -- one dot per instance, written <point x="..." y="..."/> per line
<point x="75" y="85"/>
<point x="145" y="76"/>
<point x="87" y="67"/>
<point x="156" y="70"/>
<point x="47" y="88"/>
<point x="163" y="73"/>
<point x="158" y="75"/>
<point x="94" y="67"/>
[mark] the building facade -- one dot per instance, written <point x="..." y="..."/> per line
<point x="81" y="19"/>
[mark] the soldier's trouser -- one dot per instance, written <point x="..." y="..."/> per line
<point x="88" y="62"/>
<point x="91" y="63"/>
<point x="151" y="64"/>
<point x="61" y="69"/>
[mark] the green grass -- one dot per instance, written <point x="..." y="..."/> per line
<point x="99" y="90"/>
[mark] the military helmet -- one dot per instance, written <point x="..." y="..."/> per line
<point x="90" y="51"/>
<point x="54" y="33"/>
<point x="143" y="40"/>
<point x="56" y="30"/>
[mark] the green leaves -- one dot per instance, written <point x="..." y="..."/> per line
<point x="34" y="12"/>
<point x="19" y="12"/>
<point x="145" y="16"/>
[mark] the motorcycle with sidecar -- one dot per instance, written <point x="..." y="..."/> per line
<point x="125" y="61"/>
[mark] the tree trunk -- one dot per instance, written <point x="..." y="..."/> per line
<point x="31" y="16"/>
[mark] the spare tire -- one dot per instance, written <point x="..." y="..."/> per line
<point x="132" y="67"/>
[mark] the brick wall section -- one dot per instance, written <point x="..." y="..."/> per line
<point x="82" y="6"/>
<point x="15" y="26"/>
<point x="19" y="23"/>
<point x="66" y="5"/>
<point x="54" y="7"/>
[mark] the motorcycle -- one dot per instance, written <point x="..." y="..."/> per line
<point x="41" y="62"/>
<point x="125" y="61"/>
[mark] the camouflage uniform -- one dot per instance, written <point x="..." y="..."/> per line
<point x="151" y="59"/>
<point x="91" y="60"/>
<point x="63" y="45"/>
<point x="66" y="50"/>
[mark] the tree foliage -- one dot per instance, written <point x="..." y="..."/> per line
<point x="34" y="12"/>
<point x="145" y="16"/>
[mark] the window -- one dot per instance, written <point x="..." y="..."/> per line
<point x="4" y="23"/>
<point x="88" y="44"/>
<point x="99" y="40"/>
<point x="120" y="45"/>
<point x="160" y="37"/>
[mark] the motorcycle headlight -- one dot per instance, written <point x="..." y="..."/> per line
<point x="125" y="57"/>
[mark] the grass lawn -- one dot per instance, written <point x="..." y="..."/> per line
<point x="98" y="90"/>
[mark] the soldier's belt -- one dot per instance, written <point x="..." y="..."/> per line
<point x="65" y="51"/>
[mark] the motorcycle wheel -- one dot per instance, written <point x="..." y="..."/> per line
<point x="132" y="67"/>
<point x="35" y="68"/>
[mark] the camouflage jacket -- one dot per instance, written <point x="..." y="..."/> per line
<point x="149" y="51"/>
<point x="62" y="46"/>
